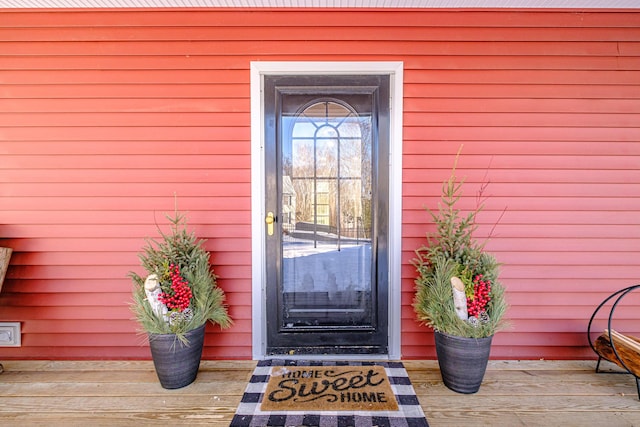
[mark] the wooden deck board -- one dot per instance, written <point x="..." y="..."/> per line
<point x="122" y="393"/>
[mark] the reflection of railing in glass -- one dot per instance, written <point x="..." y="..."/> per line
<point x="301" y="230"/>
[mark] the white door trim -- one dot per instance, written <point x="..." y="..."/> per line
<point x="258" y="229"/>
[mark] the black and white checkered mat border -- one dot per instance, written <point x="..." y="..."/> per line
<point x="409" y="414"/>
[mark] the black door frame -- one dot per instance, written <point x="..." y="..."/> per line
<point x="373" y="339"/>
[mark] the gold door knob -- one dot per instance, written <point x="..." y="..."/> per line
<point x="270" y="219"/>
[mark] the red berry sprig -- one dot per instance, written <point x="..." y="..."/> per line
<point x="477" y="303"/>
<point x="179" y="298"/>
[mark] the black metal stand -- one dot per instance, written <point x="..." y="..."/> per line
<point x="620" y="295"/>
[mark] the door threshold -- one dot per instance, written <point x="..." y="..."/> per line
<point x="327" y="357"/>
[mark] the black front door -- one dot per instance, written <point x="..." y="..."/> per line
<point x="327" y="152"/>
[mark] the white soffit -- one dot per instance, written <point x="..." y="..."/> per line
<point x="383" y="4"/>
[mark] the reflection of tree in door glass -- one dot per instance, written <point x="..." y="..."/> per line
<point x="328" y="165"/>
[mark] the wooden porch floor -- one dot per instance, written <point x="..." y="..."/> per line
<point x="122" y="393"/>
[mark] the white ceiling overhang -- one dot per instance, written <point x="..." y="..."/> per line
<point x="381" y="4"/>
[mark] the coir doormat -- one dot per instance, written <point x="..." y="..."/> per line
<point x="329" y="393"/>
<point x="326" y="388"/>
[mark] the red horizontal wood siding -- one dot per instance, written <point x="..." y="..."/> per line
<point x="104" y="115"/>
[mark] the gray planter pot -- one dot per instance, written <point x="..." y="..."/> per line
<point x="177" y="364"/>
<point x="463" y="361"/>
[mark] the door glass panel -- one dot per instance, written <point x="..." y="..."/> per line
<point x="326" y="217"/>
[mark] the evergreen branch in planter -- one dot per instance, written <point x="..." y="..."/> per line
<point x="452" y="255"/>
<point x="188" y="285"/>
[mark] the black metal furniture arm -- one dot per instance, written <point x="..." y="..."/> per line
<point x="620" y="295"/>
